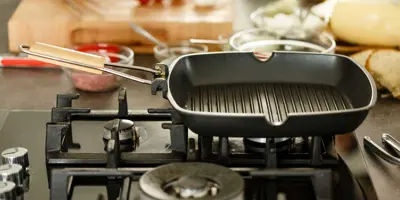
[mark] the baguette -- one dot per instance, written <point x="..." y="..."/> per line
<point x="361" y="58"/>
<point x="384" y="66"/>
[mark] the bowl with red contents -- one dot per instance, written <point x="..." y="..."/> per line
<point x="101" y="82"/>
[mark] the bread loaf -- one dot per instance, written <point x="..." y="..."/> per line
<point x="361" y="59"/>
<point x="384" y="66"/>
<point x="372" y="23"/>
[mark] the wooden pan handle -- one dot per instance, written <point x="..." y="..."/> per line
<point x="67" y="54"/>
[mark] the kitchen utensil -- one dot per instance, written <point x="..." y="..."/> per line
<point x="177" y="49"/>
<point x="390" y="142"/>
<point x="162" y="48"/>
<point x="112" y="52"/>
<point x="96" y="68"/>
<point x="23" y="62"/>
<point x="147" y="35"/>
<point x="236" y="94"/>
<point x="262" y="40"/>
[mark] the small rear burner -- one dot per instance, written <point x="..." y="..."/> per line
<point x="126" y="131"/>
<point x="128" y="136"/>
<point x="257" y="145"/>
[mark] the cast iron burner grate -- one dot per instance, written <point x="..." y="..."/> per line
<point x="113" y="165"/>
<point x="276" y="100"/>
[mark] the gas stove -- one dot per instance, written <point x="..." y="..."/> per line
<point x="79" y="153"/>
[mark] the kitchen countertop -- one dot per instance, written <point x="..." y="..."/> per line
<point x="383" y="118"/>
<point x="24" y="89"/>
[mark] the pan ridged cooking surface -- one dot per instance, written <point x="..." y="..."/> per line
<point x="275" y="100"/>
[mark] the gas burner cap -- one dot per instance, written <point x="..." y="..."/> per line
<point x="193" y="187"/>
<point x="126" y="130"/>
<point x="262" y="140"/>
<point x="124" y="124"/>
<point x="257" y="145"/>
<point x="191" y="181"/>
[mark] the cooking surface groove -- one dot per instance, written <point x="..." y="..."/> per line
<point x="276" y="100"/>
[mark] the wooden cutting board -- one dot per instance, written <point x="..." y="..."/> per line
<point x="60" y="23"/>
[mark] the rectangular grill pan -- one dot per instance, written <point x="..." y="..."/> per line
<point x="244" y="94"/>
<point x="274" y="100"/>
<point x="291" y="94"/>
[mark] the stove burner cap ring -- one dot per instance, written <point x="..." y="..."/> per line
<point x="124" y="124"/>
<point x="126" y="130"/>
<point x="192" y="186"/>
<point x="257" y="145"/>
<point x="191" y="180"/>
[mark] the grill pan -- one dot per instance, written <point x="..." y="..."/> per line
<point x="287" y="94"/>
<point x="276" y="101"/>
<point x="290" y="94"/>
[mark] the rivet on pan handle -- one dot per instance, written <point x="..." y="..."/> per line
<point x="379" y="151"/>
<point x="262" y="56"/>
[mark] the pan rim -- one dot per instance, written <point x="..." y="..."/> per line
<point x="371" y="104"/>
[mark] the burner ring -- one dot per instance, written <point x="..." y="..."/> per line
<point x="192" y="182"/>
<point x="125" y="132"/>
<point x="192" y="186"/>
<point x="199" y="180"/>
<point x="257" y="145"/>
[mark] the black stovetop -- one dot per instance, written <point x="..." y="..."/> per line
<point x="301" y="170"/>
<point x="27" y="129"/>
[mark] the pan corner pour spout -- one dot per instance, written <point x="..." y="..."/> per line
<point x="233" y="94"/>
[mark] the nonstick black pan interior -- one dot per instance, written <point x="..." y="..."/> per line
<point x="286" y="83"/>
<point x="275" y="100"/>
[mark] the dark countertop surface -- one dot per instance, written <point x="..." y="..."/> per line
<point x="24" y="89"/>
<point x="384" y="118"/>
